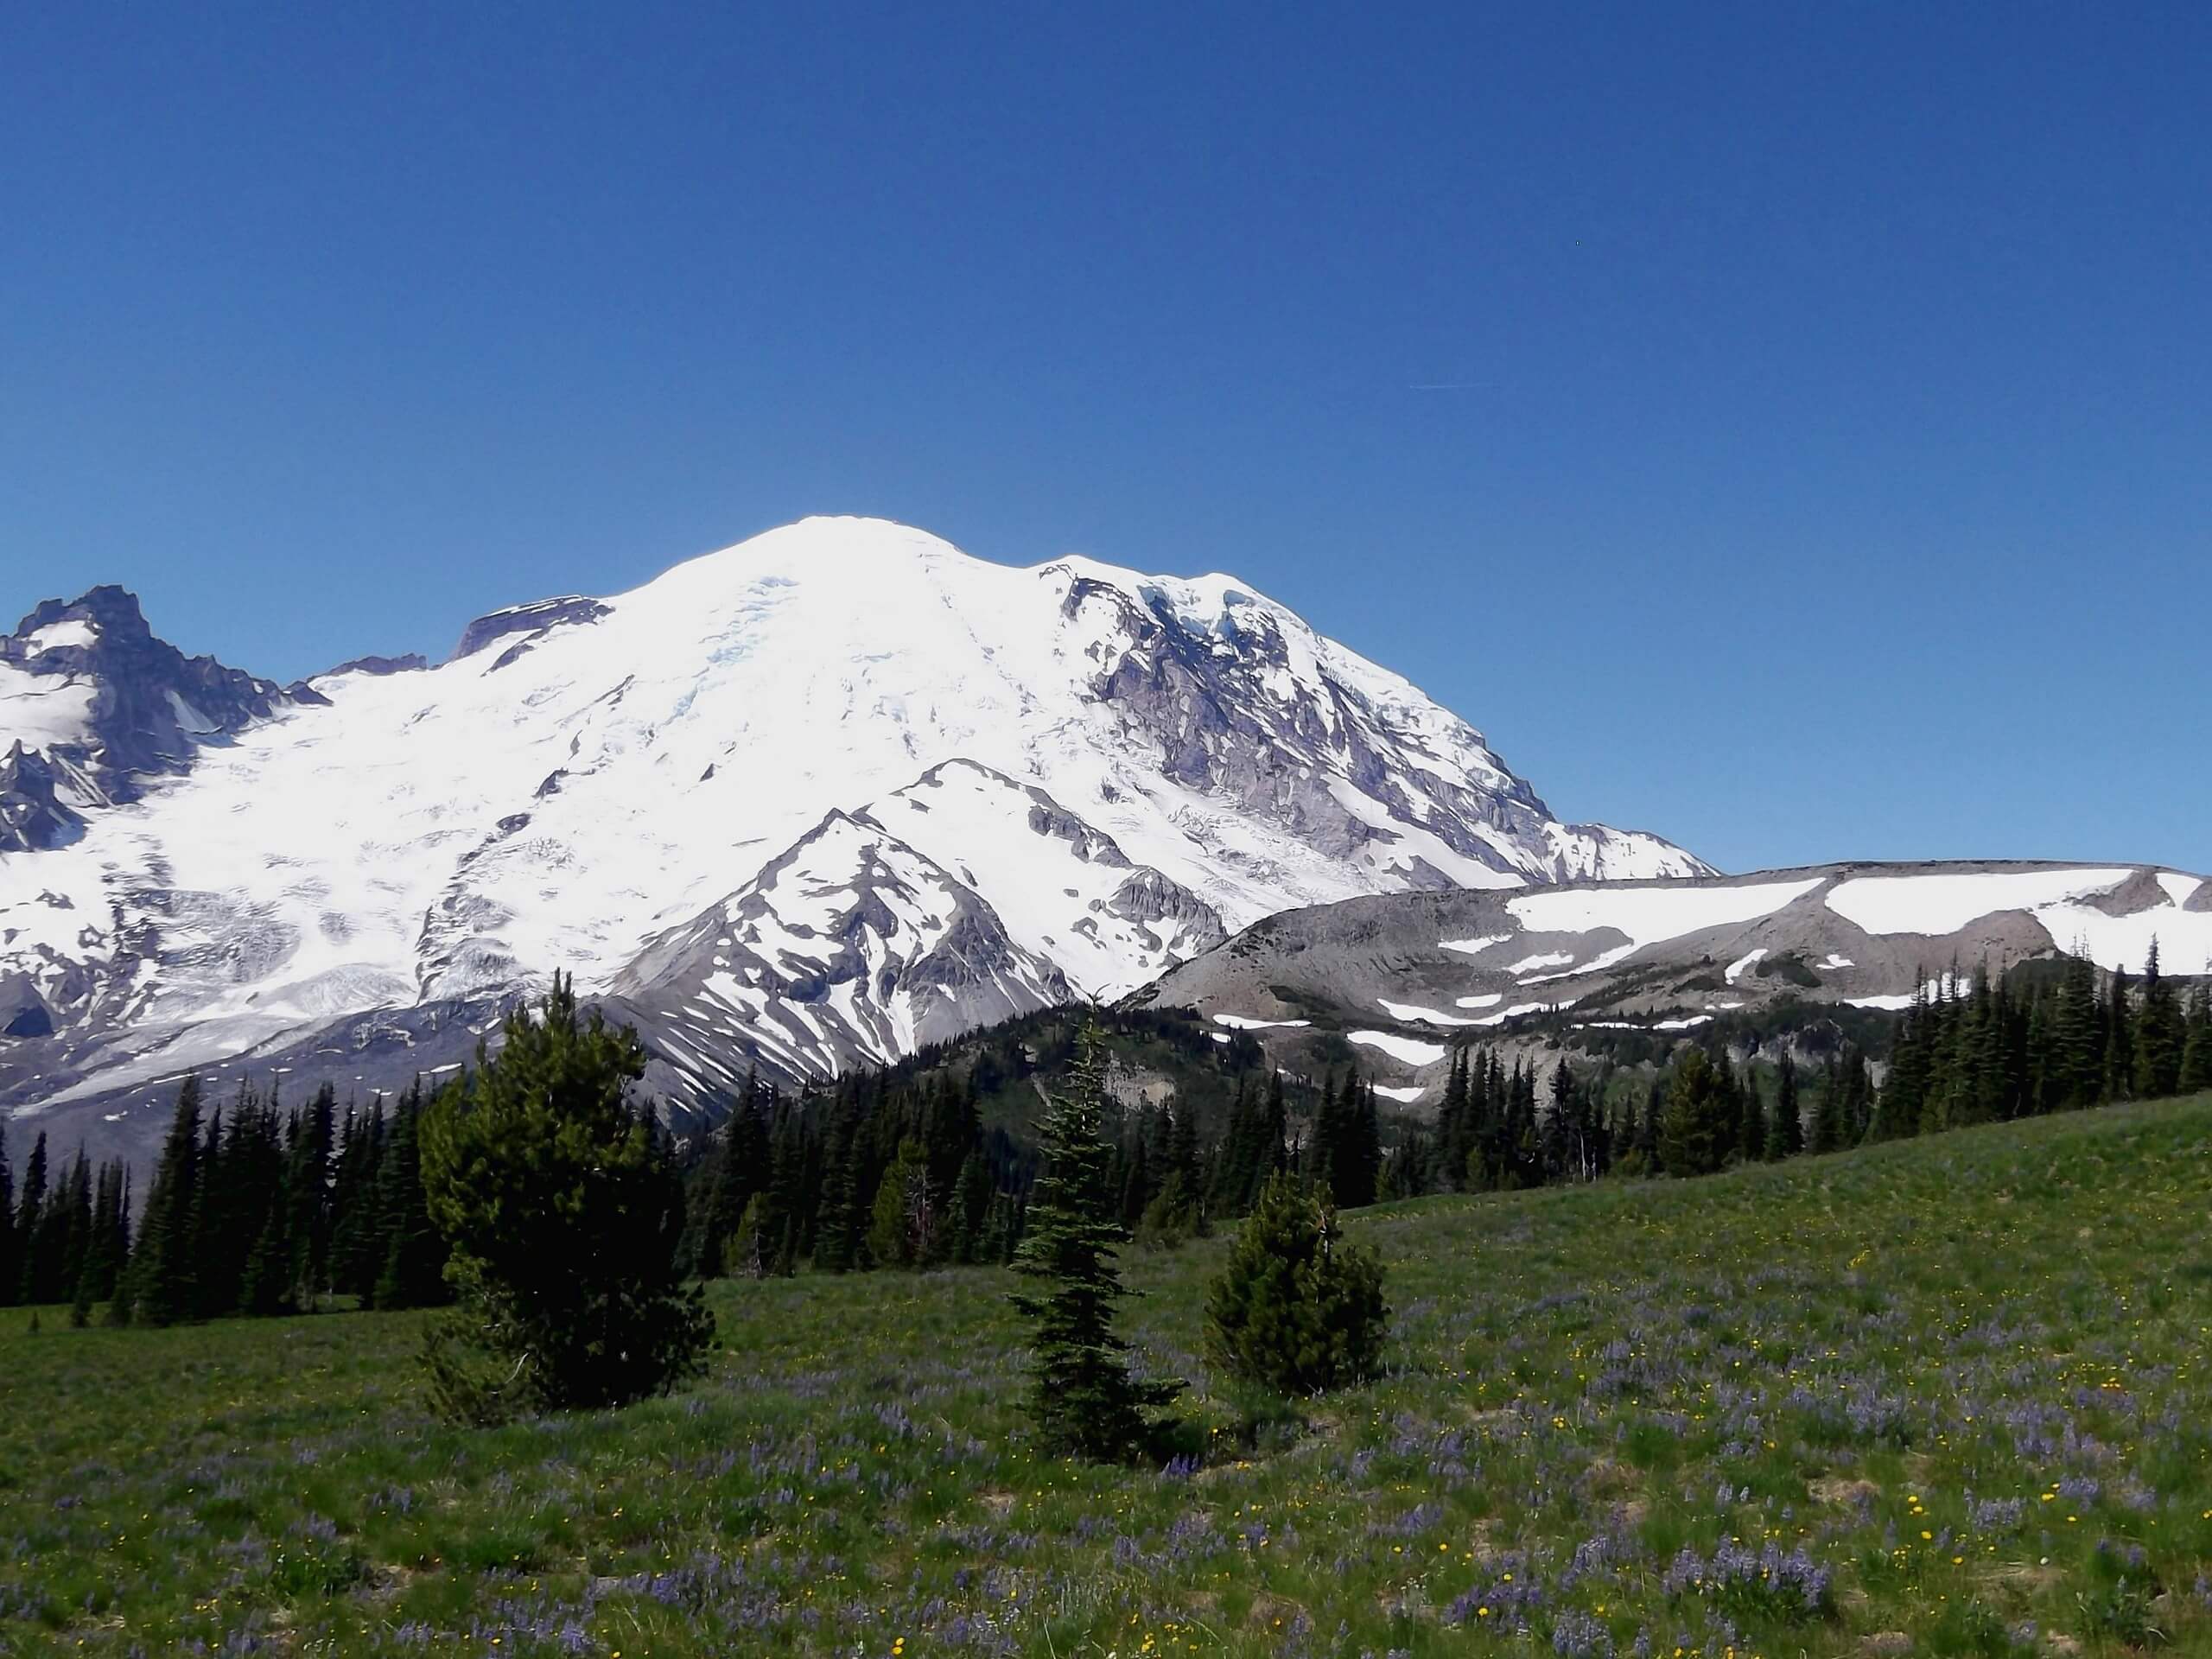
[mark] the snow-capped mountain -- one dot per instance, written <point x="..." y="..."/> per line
<point x="803" y="802"/>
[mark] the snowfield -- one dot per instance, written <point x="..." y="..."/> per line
<point x="1944" y="903"/>
<point x="1405" y="1050"/>
<point x="1414" y="1014"/>
<point x="2064" y="901"/>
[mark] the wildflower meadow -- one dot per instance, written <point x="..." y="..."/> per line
<point x="1946" y="1397"/>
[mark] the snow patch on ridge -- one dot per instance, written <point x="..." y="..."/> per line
<point x="1943" y="903"/>
<point x="2065" y="902"/>
<point x="1413" y="1014"/>
<point x="1405" y="1050"/>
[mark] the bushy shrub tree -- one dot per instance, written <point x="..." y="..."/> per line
<point x="563" y="1210"/>
<point x="1297" y="1309"/>
<point x="1172" y="1218"/>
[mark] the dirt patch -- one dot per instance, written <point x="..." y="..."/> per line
<point x="2022" y="1575"/>
<point x="1835" y="1489"/>
<point x="1605" y="1478"/>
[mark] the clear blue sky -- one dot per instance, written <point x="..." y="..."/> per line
<point x="1783" y="428"/>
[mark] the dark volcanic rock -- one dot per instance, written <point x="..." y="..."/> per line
<point x="531" y="619"/>
<point x="413" y="663"/>
<point x="150" y="707"/>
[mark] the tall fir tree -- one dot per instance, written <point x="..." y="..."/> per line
<point x="412" y="1272"/>
<point x="1786" y="1127"/>
<point x="161" y="1288"/>
<point x="1082" y="1399"/>
<point x="357" y="1235"/>
<point x="30" y="1210"/>
<point x="307" y="1223"/>
<point x="2160" y="1034"/>
<point x="1699" y="1129"/>
<point x="2120" y="1038"/>
<point x="839" y="1239"/>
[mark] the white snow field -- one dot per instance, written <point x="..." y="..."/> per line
<point x="1414" y="1014"/>
<point x="1645" y="915"/>
<point x="2063" y="900"/>
<point x="1742" y="965"/>
<point x="566" y="793"/>
<point x="1405" y="1050"/>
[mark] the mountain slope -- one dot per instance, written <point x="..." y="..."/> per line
<point x="1081" y="773"/>
<point x="1398" y="977"/>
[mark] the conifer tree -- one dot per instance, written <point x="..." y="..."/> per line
<point x="1647" y="1122"/>
<point x="1367" y="1144"/>
<point x="76" y="1241"/>
<point x="1786" y="1128"/>
<point x="306" y="1225"/>
<point x="1295" y="1308"/>
<point x="972" y="1196"/>
<point x="1750" y="1114"/>
<point x="1406" y="1172"/>
<point x="357" y="1240"/>
<point x="2080" y="1037"/>
<point x="2159" y="1035"/>
<point x="1698" y="1127"/>
<point x="1904" y="1099"/>
<point x="780" y="1218"/>
<point x="30" y="1212"/>
<point x="1454" y="1132"/>
<point x="412" y="1272"/>
<point x="838" y="1241"/>
<point x="1082" y="1399"/>
<point x="161" y="1274"/>
<point x="902" y="1230"/>
<point x="1182" y="1147"/>
<point x="2120" y="1039"/>
<point x="1135" y="1181"/>
<point x="563" y="1213"/>
<point x="746" y="1253"/>
<point x="109" y="1247"/>
<point x="2197" y="1052"/>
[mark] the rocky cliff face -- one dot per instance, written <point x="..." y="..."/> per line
<point x="92" y="705"/>
<point x="913" y="791"/>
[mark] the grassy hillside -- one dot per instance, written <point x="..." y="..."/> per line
<point x="1918" y="1398"/>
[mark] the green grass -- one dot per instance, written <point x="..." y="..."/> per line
<point x="1968" y="1377"/>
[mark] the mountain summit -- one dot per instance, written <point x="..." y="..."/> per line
<point x="801" y="804"/>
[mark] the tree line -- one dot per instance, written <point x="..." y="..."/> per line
<point x="256" y="1209"/>
<point x="1983" y="1050"/>
<point x="252" y="1209"/>
<point x="2060" y="1036"/>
